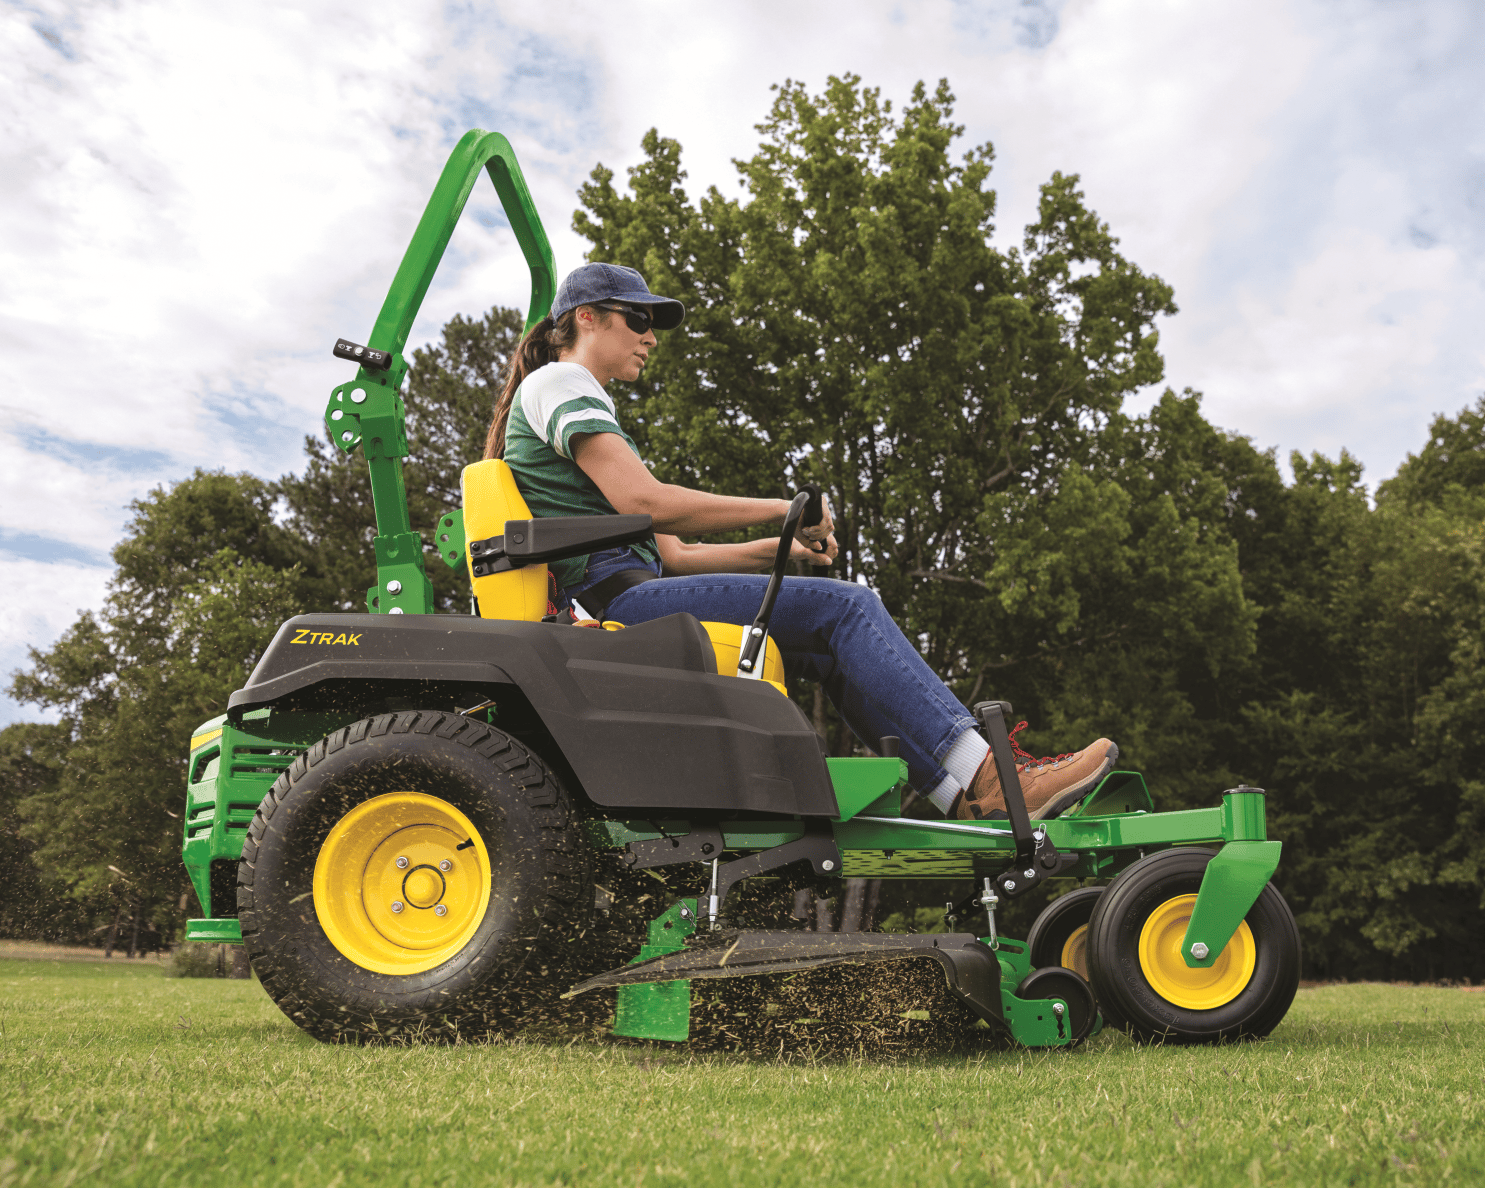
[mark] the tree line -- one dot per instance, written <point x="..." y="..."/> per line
<point x="1151" y="578"/>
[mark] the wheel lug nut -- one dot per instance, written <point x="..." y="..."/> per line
<point x="445" y="866"/>
<point x="396" y="906"/>
<point x="440" y="910"/>
<point x="401" y="863"/>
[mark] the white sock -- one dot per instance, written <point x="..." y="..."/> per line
<point x="962" y="761"/>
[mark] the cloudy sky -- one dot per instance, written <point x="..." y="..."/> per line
<point x="197" y="199"/>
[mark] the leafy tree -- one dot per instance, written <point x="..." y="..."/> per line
<point x="204" y="579"/>
<point x="1453" y="456"/>
<point x="851" y="322"/>
<point x="31" y="906"/>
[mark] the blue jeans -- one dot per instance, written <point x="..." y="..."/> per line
<point x="834" y="632"/>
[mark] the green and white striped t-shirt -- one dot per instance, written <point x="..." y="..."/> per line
<point x="552" y="404"/>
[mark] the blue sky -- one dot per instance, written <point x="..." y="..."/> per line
<point x="196" y="200"/>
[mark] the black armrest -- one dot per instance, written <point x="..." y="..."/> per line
<point x="555" y="538"/>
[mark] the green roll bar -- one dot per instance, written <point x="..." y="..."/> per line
<point x="368" y="411"/>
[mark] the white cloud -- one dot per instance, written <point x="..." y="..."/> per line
<point x="196" y="200"/>
<point x="38" y="601"/>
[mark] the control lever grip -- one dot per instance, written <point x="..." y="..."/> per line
<point x="814" y="510"/>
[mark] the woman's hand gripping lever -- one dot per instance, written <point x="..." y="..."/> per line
<point x="807" y="523"/>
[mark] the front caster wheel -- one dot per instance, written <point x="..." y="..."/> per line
<point x="1138" y="973"/>
<point x="403" y="872"/>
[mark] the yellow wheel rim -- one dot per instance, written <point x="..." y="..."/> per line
<point x="1201" y="989"/>
<point x="1075" y="951"/>
<point x="398" y="887"/>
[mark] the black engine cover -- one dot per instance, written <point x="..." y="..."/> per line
<point x="640" y="714"/>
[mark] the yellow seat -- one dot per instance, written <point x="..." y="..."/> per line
<point x="491" y="497"/>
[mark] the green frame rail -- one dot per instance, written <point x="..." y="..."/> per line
<point x="368" y="411"/>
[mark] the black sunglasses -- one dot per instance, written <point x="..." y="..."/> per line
<point x="638" y="320"/>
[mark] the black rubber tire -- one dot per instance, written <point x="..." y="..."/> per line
<point x="541" y="877"/>
<point x="1053" y="981"/>
<point x="1126" y="994"/>
<point x="1058" y="921"/>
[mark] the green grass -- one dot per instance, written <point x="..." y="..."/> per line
<point x="116" y="1075"/>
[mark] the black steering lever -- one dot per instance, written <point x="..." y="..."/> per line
<point x="807" y="509"/>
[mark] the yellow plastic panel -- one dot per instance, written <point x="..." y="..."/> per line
<point x="490" y="499"/>
<point x="727" y="643"/>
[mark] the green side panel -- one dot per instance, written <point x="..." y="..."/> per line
<point x="215" y="931"/>
<point x="227" y="775"/>
<point x="448" y="538"/>
<point x="862" y="782"/>
<point x="659" y="1010"/>
<point x="1233" y="881"/>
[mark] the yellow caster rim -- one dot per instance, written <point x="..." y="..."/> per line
<point x="1075" y="951"/>
<point x="1201" y="989"/>
<point x="398" y="887"/>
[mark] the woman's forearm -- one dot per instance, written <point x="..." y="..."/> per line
<point x="696" y="513"/>
<point x="681" y="558"/>
<point x="627" y="483"/>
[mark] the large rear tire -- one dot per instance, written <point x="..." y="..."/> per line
<point x="402" y="871"/>
<point x="1140" y="977"/>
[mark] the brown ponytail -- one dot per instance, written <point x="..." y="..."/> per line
<point x="543" y="344"/>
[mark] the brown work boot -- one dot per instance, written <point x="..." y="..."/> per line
<point x="1050" y="785"/>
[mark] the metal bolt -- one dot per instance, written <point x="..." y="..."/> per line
<point x="757" y="630"/>
<point x="396" y="610"/>
<point x="401" y="863"/>
<point x="1030" y="874"/>
<point x="396" y="906"/>
<point x="1200" y="951"/>
<point x="1039" y="835"/>
<point x="394" y="587"/>
<point x="445" y="866"/>
<point x="685" y="912"/>
<point x="441" y="910"/>
<point x="828" y="864"/>
<point x="1010" y="885"/>
<point x="359" y="396"/>
<point x="1058" y="1008"/>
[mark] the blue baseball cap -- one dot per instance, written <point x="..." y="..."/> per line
<point x="593" y="283"/>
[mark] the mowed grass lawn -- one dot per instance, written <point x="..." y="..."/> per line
<point x="116" y="1075"/>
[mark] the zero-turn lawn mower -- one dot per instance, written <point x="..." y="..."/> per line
<point x="401" y="810"/>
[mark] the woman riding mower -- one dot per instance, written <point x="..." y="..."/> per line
<point x="556" y="429"/>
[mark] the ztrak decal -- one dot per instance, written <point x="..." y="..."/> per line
<point x="306" y="636"/>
